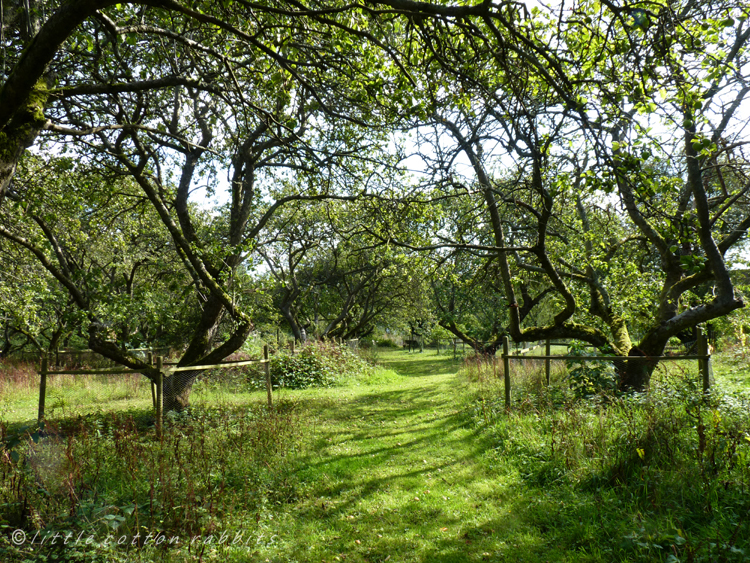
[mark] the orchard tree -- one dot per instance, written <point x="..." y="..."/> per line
<point x="581" y="105"/>
<point x="368" y="287"/>
<point x="257" y="106"/>
<point x="585" y="104"/>
<point x="35" y="312"/>
<point x="50" y="44"/>
<point x="333" y="279"/>
<point x="101" y="263"/>
<point x="300" y="236"/>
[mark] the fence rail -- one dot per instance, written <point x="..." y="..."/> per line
<point x="703" y="357"/>
<point x="81" y="357"/>
<point x="163" y="372"/>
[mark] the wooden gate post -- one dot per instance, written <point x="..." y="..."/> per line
<point x="159" y="395"/>
<point x="506" y="370"/>
<point x="267" y="369"/>
<point x="547" y="361"/>
<point x="704" y="365"/>
<point x="42" y="389"/>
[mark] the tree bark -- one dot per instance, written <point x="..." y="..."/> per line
<point x="635" y="375"/>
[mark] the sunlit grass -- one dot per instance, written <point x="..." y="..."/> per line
<point x="419" y="462"/>
<point x="68" y="395"/>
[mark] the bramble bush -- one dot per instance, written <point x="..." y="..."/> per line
<point x="589" y="378"/>
<point x="318" y="364"/>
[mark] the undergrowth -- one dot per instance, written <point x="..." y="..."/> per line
<point x="318" y="364"/>
<point x="218" y="467"/>
<point x="657" y="476"/>
<point x="17" y="376"/>
<point x="107" y="476"/>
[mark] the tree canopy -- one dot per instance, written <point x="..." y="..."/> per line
<point x="576" y="171"/>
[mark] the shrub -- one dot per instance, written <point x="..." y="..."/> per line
<point x="590" y="377"/>
<point x="307" y="368"/>
<point x="318" y="364"/>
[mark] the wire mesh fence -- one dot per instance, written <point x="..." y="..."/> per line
<point x="67" y="387"/>
<point x="227" y="386"/>
<point x="163" y="387"/>
<point x="70" y="391"/>
<point x="69" y="395"/>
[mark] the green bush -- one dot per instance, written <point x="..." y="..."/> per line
<point x="590" y="377"/>
<point x="318" y="364"/>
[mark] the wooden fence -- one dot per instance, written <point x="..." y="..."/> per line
<point x="439" y="344"/>
<point x="442" y="344"/>
<point x="70" y="358"/>
<point x="163" y="370"/>
<point x="703" y="357"/>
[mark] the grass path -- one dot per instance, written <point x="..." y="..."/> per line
<point x="393" y="473"/>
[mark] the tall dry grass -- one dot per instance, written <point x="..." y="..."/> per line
<point x="17" y="376"/>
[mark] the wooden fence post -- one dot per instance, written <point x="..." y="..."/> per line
<point x="159" y="395"/>
<point x="547" y="361"/>
<point x="42" y="389"/>
<point x="150" y="361"/>
<point x="506" y="370"/>
<point x="267" y="366"/>
<point x="704" y="365"/>
<point x="454" y="348"/>
<point x="292" y="347"/>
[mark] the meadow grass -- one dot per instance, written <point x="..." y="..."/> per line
<point x="416" y="461"/>
<point x="658" y="476"/>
